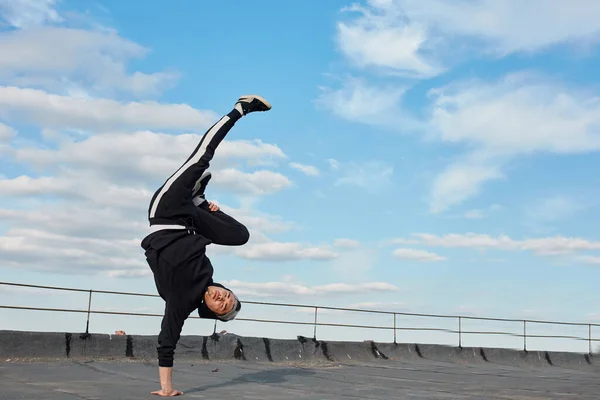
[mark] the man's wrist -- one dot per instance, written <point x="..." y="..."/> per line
<point x="166" y="382"/>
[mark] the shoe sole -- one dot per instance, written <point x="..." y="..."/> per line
<point x="255" y="96"/>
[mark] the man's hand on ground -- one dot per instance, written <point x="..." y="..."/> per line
<point x="166" y="383"/>
<point x="168" y="393"/>
<point x="212" y="206"/>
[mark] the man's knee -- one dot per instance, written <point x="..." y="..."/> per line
<point x="242" y="235"/>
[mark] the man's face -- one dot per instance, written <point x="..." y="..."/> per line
<point x="219" y="300"/>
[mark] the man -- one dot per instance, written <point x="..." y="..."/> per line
<point x="182" y="224"/>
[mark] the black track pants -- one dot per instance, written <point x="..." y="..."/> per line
<point x="172" y="204"/>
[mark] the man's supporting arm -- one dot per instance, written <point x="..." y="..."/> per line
<point x="166" y="383"/>
<point x="170" y="332"/>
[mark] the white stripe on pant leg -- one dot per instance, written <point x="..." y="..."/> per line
<point x="208" y="137"/>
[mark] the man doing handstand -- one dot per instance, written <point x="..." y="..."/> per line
<point x="182" y="224"/>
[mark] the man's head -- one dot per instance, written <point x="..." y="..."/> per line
<point x="222" y="302"/>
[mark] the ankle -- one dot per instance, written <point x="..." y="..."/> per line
<point x="237" y="112"/>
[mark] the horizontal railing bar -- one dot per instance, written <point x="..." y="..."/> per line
<point x="79" y="290"/>
<point x="529" y="336"/>
<point x="425" y="329"/>
<point x="42" y="309"/>
<point x="320" y="307"/>
<point x="86" y="311"/>
<point x="43" y="287"/>
<point x="305" y="323"/>
<point x="558" y="337"/>
<point x="312" y="323"/>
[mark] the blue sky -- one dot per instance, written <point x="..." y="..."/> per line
<point x="438" y="159"/>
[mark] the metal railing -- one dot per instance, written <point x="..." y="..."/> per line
<point x="316" y="323"/>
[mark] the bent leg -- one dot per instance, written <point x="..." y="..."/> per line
<point x="220" y="228"/>
<point x="175" y="195"/>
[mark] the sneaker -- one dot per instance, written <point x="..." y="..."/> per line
<point x="251" y="103"/>
<point x="200" y="188"/>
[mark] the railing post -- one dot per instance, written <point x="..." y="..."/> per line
<point x="87" y="325"/>
<point x="394" y="328"/>
<point x="524" y="335"/>
<point x="315" y="330"/>
<point x="460" y="332"/>
<point x="590" y="339"/>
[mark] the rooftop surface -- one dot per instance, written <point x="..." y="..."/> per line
<point x="76" y="379"/>
<point x="37" y="365"/>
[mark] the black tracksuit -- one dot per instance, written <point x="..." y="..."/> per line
<point x="175" y="250"/>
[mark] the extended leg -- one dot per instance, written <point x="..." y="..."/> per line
<point x="173" y="199"/>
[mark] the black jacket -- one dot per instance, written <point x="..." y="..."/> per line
<point x="182" y="273"/>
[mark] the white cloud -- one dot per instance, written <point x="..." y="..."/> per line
<point x="104" y="184"/>
<point x="80" y="219"/>
<point x="139" y="161"/>
<point x="97" y="211"/>
<point x="260" y="223"/>
<point x="417" y="255"/>
<point x="77" y="186"/>
<point x="140" y="155"/>
<point x="254" y="152"/>
<point x="346" y="243"/>
<point x="355" y="264"/>
<point x="553" y="208"/>
<point x="372" y="176"/>
<point x="475" y="214"/>
<point x="508" y="26"/>
<point x="284" y="251"/>
<point x="258" y="183"/>
<point x="27" y="13"/>
<point x="6" y="133"/>
<point x="519" y="115"/>
<point x="359" y="101"/>
<point x="380" y="37"/>
<point x="333" y="164"/>
<point x="27" y="186"/>
<point x="457" y="240"/>
<point x="141" y="272"/>
<point x="89" y="237"/>
<point x="52" y="111"/>
<point x="417" y="39"/>
<point x="309" y="170"/>
<point x="592" y="260"/>
<point x="265" y="289"/>
<point x="87" y="60"/>
<point x="459" y="182"/>
<point x="60" y="253"/>
<point x="479" y="213"/>
<point x="541" y="246"/>
<point x="94" y="161"/>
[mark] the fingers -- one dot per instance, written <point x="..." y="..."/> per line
<point x="212" y="206"/>
<point x="172" y="393"/>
